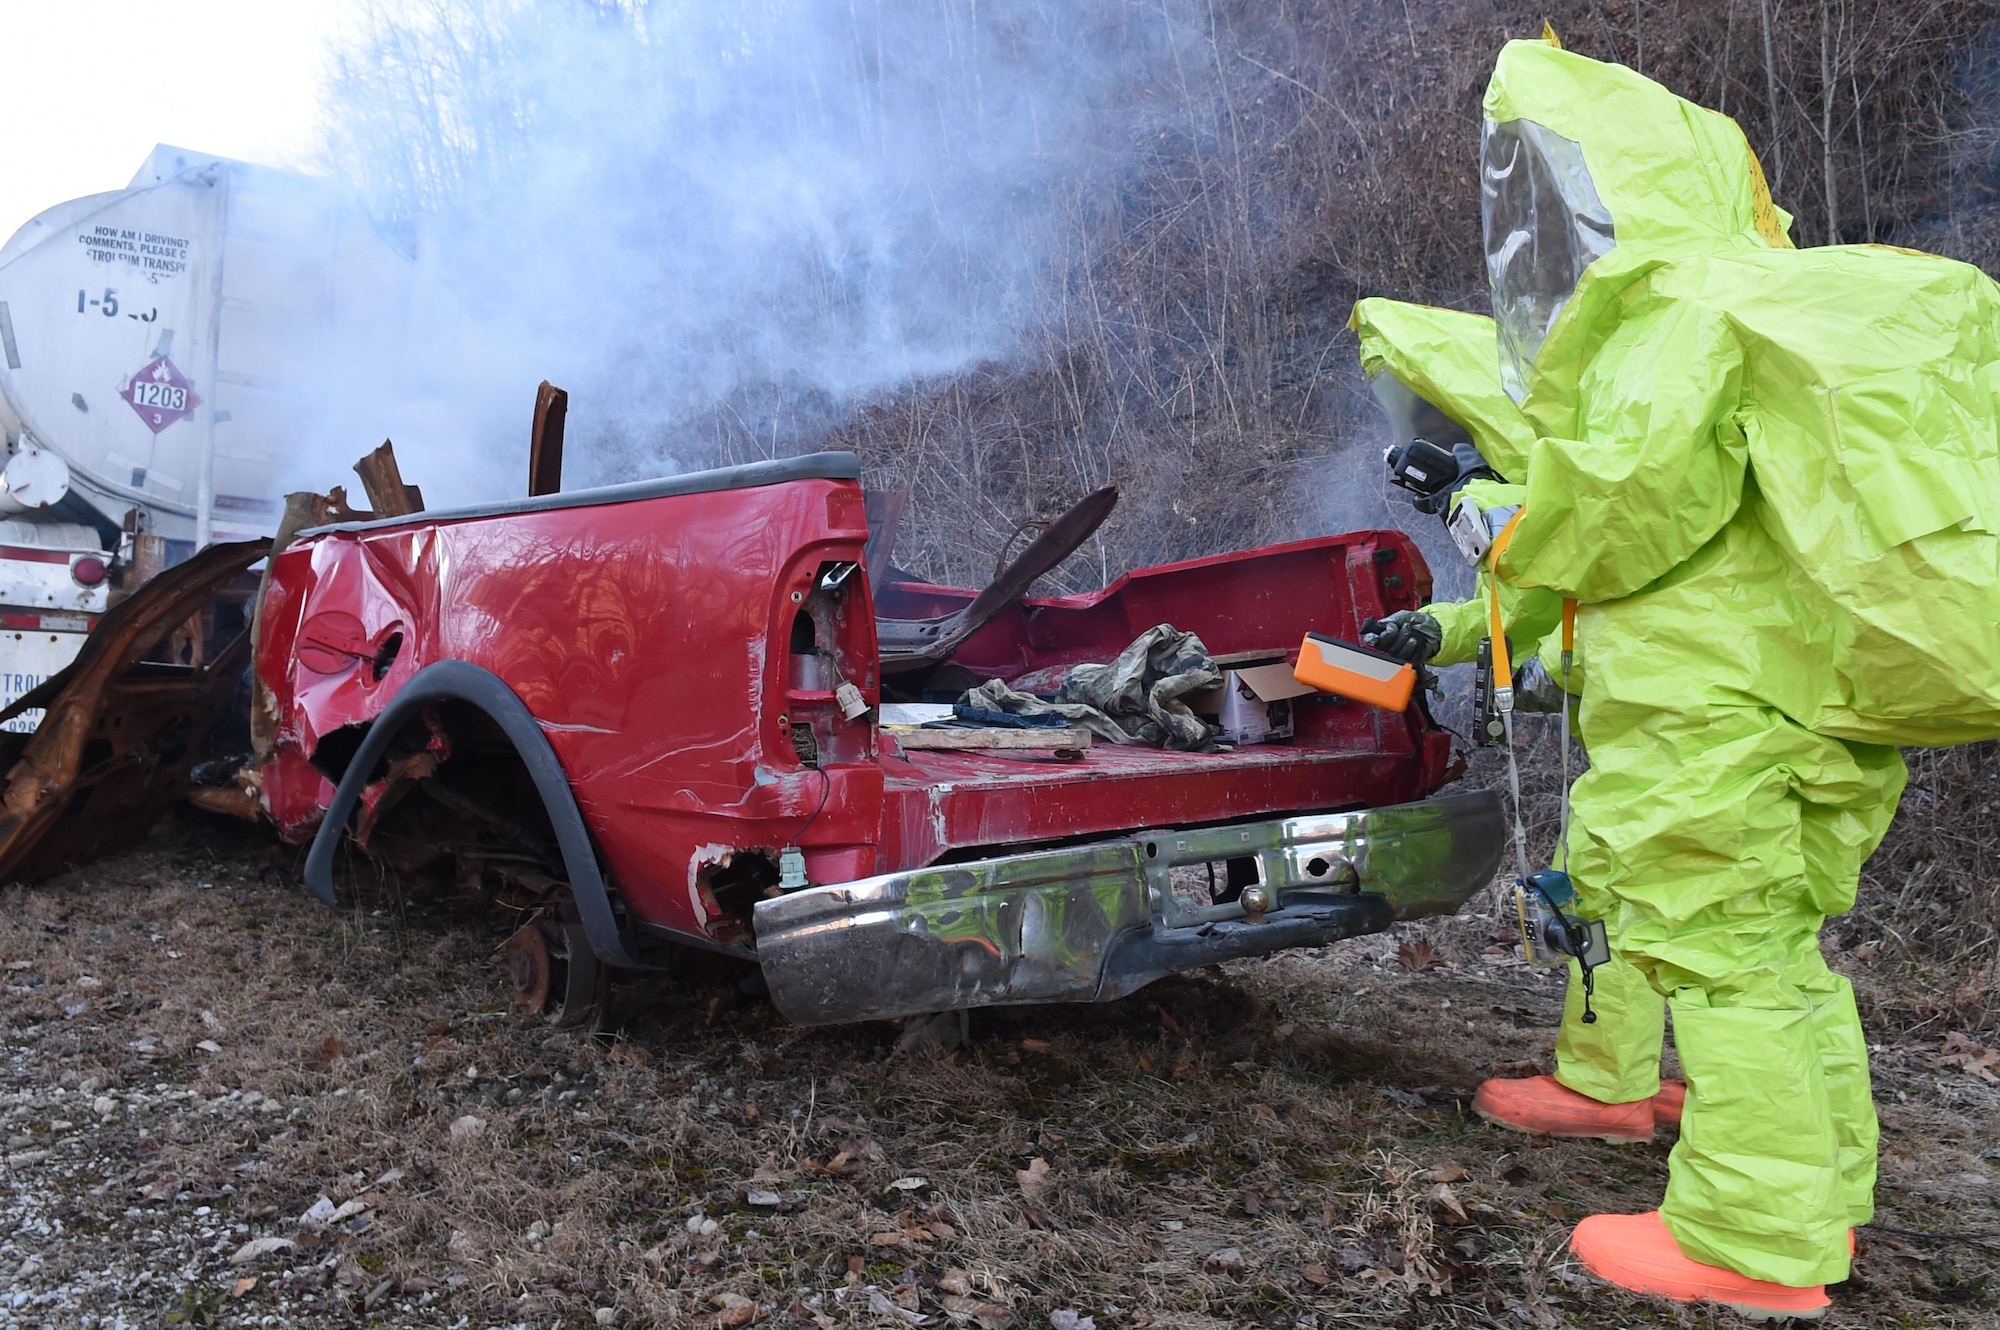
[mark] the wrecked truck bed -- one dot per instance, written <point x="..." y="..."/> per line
<point x="627" y="720"/>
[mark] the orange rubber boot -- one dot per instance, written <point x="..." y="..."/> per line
<point x="1667" y="1103"/>
<point x="1636" y="1252"/>
<point x="1545" y="1107"/>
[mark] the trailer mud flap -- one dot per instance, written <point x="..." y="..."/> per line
<point x="120" y="733"/>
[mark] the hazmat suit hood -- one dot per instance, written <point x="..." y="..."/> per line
<point x="1441" y="360"/>
<point x="1586" y="166"/>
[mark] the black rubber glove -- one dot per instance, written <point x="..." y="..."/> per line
<point x="1409" y="635"/>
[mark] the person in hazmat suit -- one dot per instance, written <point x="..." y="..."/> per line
<point x="1771" y="477"/>
<point x="1434" y="372"/>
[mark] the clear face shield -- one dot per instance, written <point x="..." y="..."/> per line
<point x="1544" y="225"/>
<point x="1410" y="416"/>
<point x="1434" y="456"/>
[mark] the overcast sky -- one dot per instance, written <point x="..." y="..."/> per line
<point x="92" y="85"/>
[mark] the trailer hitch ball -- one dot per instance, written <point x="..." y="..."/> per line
<point x="1256" y="899"/>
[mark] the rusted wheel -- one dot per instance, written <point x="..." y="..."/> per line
<point x="528" y="968"/>
<point x="554" y="974"/>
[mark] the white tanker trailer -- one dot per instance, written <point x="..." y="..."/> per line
<point x="165" y="352"/>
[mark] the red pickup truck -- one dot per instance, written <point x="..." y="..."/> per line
<point x="627" y="718"/>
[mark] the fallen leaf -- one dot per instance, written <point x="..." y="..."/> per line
<point x="209" y="1046"/>
<point x="1418" y="955"/>
<point x="1445" y="1173"/>
<point x="805" y="1315"/>
<point x="1034" y="1179"/>
<point x="390" y="1178"/>
<point x="990" y="1315"/>
<point x="1316" y="1275"/>
<point x="242" y="1286"/>
<point x="885" y="1239"/>
<point x="318" y="1214"/>
<point x="737" y="1310"/>
<point x="322" y="1056"/>
<point x="1064" y="1318"/>
<point x="940" y="1230"/>
<point x="954" y="1281"/>
<point x="630" y="1055"/>
<point x="1445" y="1200"/>
<point x="1034" y="1045"/>
<point x="880" y="1305"/>
<point x="1970" y="1056"/>
<point x="906" y="1297"/>
<point x="765" y="1199"/>
<point x="467" y="1128"/>
<point x="908" y="1184"/>
<point x="258" y="1248"/>
<point x="1227" y="1261"/>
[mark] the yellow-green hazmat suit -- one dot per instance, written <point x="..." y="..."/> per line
<point x="1446" y="358"/>
<point x="1772" y="476"/>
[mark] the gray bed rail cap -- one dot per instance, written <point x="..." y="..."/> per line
<point x="812" y="466"/>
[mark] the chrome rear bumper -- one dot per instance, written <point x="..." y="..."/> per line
<point x="1094" y="922"/>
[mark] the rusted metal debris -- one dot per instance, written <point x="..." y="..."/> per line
<point x="545" y="441"/>
<point x="121" y="732"/>
<point x="238" y="790"/>
<point x="382" y="479"/>
<point x="915" y="644"/>
<point x="148" y="560"/>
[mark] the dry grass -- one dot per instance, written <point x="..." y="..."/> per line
<point x="1307" y="1113"/>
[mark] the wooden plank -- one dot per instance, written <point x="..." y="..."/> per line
<point x="913" y="738"/>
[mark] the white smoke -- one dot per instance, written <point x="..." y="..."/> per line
<point x="759" y="209"/>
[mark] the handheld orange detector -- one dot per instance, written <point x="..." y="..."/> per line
<point x="1347" y="670"/>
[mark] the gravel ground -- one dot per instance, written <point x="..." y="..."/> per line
<point x="224" y="1105"/>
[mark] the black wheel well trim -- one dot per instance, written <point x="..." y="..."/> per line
<point x="462" y="681"/>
